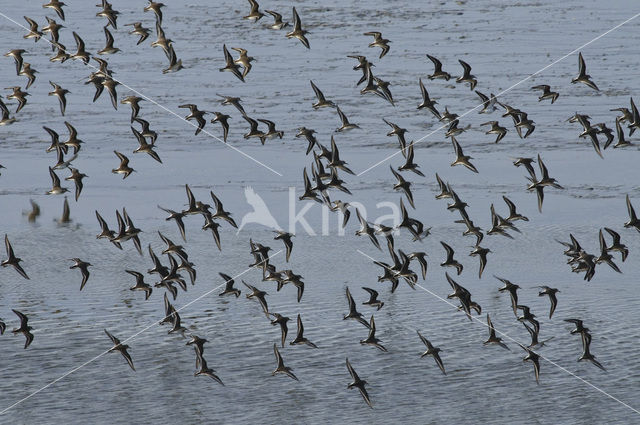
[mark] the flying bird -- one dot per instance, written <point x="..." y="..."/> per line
<point x="358" y="383"/>
<point x="122" y="348"/>
<point x="12" y="260"/>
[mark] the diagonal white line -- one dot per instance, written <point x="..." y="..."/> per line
<point x="517" y="342"/>
<point x="507" y="90"/>
<point x="129" y="339"/>
<point x="246" y="155"/>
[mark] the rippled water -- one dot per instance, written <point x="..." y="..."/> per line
<point x="504" y="44"/>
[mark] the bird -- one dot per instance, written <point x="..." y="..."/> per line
<point x="298" y="32"/>
<point x="546" y="93"/>
<point x="255" y="14"/>
<point x="358" y="383"/>
<point x="282" y="321"/>
<point x="80" y="53"/>
<point x="53" y="29"/>
<point x="6" y="118"/>
<point x="482" y="253"/>
<point x="140" y="31"/>
<point x="206" y="370"/>
<point x="334" y="160"/>
<point x="513" y="214"/>
<point x="230" y="65"/>
<point x="123" y="168"/>
<point x="271" y="131"/>
<point x="427" y="102"/>
<point x="488" y="103"/>
<point x="72" y="141"/>
<point x="66" y="212"/>
<point x="122" y="348"/>
<point x="622" y="142"/>
<point x="28" y="72"/>
<point x="345" y="124"/>
<point x="493" y="339"/>
<point x="83" y="266"/>
<point x="586" y="352"/>
<point x="195" y="114"/>
<point x="278" y="23"/>
<point x="229" y="289"/>
<point x="34" y="213"/>
<point x="380" y="42"/>
<point x="438" y="72"/>
<point x="497" y="129"/>
<point x="583" y="77"/>
<point x="259" y="295"/>
<point x="322" y="101"/>
<point x="140" y="284"/>
<point x="198" y="346"/>
<point x="461" y="158"/>
<point x="432" y="351"/>
<point x="220" y="212"/>
<point x="526" y="163"/>
<point x="56" y="189"/>
<point x="545" y="180"/>
<point x="134" y="102"/>
<point x="373" y="300"/>
<point x="16" y="54"/>
<point x="33" y="30"/>
<point x="371" y="338"/>
<point x="399" y="132"/>
<point x="177" y="216"/>
<point x="603" y="129"/>
<point x="604" y="256"/>
<point x="616" y="245"/>
<point x="223" y="120"/>
<point x="353" y="312"/>
<point x="528" y="316"/>
<point x="244" y="60"/>
<point x="144" y="147"/>
<point x="19" y="95"/>
<point x="467" y="77"/>
<point x="110" y="84"/>
<point x="535" y="359"/>
<point x="499" y="225"/>
<point x="281" y="368"/>
<point x="108" y="49"/>
<point x="235" y="101"/>
<point x="56" y="5"/>
<point x="173" y="248"/>
<point x="300" y="339"/>
<point x="253" y="130"/>
<point x="512" y="289"/>
<point x="285" y="237"/>
<point x="60" y="93"/>
<point x="108" y="13"/>
<point x="307" y="133"/>
<point x="551" y="292"/>
<point x="420" y="257"/>
<point x="633" y="219"/>
<point x="24" y="328"/>
<point x="156" y="8"/>
<point x="61" y="55"/>
<point x="403" y="185"/>
<point x="365" y="229"/>
<point x="450" y="261"/>
<point x="409" y="165"/>
<point x="162" y="41"/>
<point x="105" y="232"/>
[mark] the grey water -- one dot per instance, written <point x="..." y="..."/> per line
<point x="504" y="42"/>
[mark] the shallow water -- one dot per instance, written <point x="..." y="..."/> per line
<point x="503" y="44"/>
